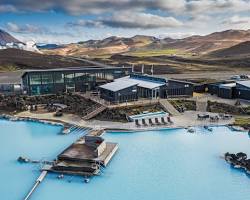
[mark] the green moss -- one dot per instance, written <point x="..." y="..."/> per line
<point x="149" y="53"/>
<point x="217" y="107"/>
<point x="187" y="104"/>
<point x="120" y="114"/>
<point x="243" y="122"/>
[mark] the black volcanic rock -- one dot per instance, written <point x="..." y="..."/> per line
<point x="7" y="38"/>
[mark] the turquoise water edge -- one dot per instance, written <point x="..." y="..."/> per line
<point x="169" y="164"/>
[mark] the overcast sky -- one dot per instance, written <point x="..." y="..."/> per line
<point x="64" y="21"/>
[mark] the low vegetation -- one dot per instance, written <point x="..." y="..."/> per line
<point x="120" y="115"/>
<point x="166" y="63"/>
<point x="243" y="122"/>
<point x="8" y="68"/>
<point x="182" y="103"/>
<point x="226" y="108"/>
<point x="13" y="59"/>
<point x="75" y="104"/>
<point x="149" y="53"/>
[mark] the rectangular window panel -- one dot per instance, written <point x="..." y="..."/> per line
<point x="35" y="79"/>
<point x="69" y="78"/>
<point x="59" y="77"/>
<point x="47" y="78"/>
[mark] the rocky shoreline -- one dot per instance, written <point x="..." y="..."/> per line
<point x="238" y="161"/>
<point x="65" y="126"/>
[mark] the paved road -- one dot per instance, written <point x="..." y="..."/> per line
<point x="206" y="75"/>
<point x="219" y="75"/>
<point x="91" y="62"/>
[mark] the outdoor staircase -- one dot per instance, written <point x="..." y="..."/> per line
<point x="201" y="105"/>
<point x="169" y="107"/>
<point x="94" y="113"/>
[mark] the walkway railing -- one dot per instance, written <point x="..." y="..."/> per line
<point x="38" y="181"/>
<point x="118" y="104"/>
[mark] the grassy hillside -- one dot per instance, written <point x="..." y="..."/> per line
<point x="12" y="59"/>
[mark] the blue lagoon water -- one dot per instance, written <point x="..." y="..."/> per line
<point x="167" y="164"/>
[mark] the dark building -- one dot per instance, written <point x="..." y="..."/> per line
<point x="243" y="90"/>
<point x="132" y="87"/>
<point x="80" y="79"/>
<point x="230" y="90"/>
<point x="227" y="91"/>
<point x="177" y="88"/>
<point x="213" y="88"/>
<point x="224" y="89"/>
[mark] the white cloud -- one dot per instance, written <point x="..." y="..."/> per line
<point x="236" y="19"/>
<point x="76" y="7"/>
<point x="36" y="33"/>
<point x="131" y="20"/>
<point x="217" y="6"/>
<point x="141" y="20"/>
<point x="7" y="8"/>
<point x="237" y="22"/>
<point x="130" y="16"/>
<point x="27" y="28"/>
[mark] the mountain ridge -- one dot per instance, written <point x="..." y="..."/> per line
<point x="118" y="45"/>
<point x="6" y="38"/>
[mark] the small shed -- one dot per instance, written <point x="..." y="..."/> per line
<point x="243" y="89"/>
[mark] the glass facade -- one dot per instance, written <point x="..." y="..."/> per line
<point x="35" y="79"/>
<point x="47" y="78"/>
<point x="52" y="81"/>
<point x="59" y="77"/>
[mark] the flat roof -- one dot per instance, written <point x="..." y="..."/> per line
<point x="76" y="69"/>
<point x="117" y="85"/>
<point x="244" y="83"/>
<point x="181" y="81"/>
<point x="149" y="84"/>
<point x="127" y="81"/>
<point x="228" y="85"/>
<point x="63" y="69"/>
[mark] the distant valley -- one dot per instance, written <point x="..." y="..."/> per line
<point x="219" y="51"/>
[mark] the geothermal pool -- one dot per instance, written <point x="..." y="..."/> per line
<point x="168" y="164"/>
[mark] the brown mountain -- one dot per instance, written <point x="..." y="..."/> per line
<point x="204" y="44"/>
<point x="12" y="59"/>
<point x="7" y="38"/>
<point x="239" y="50"/>
<point x="109" y="46"/>
<point x="138" y="40"/>
<point x="118" y="45"/>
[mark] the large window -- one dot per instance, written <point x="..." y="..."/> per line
<point x="69" y="81"/>
<point x="35" y="79"/>
<point x="35" y="90"/>
<point x="69" y="78"/>
<point x="59" y="77"/>
<point x="47" y="78"/>
<point x="79" y="77"/>
<point x="47" y="89"/>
